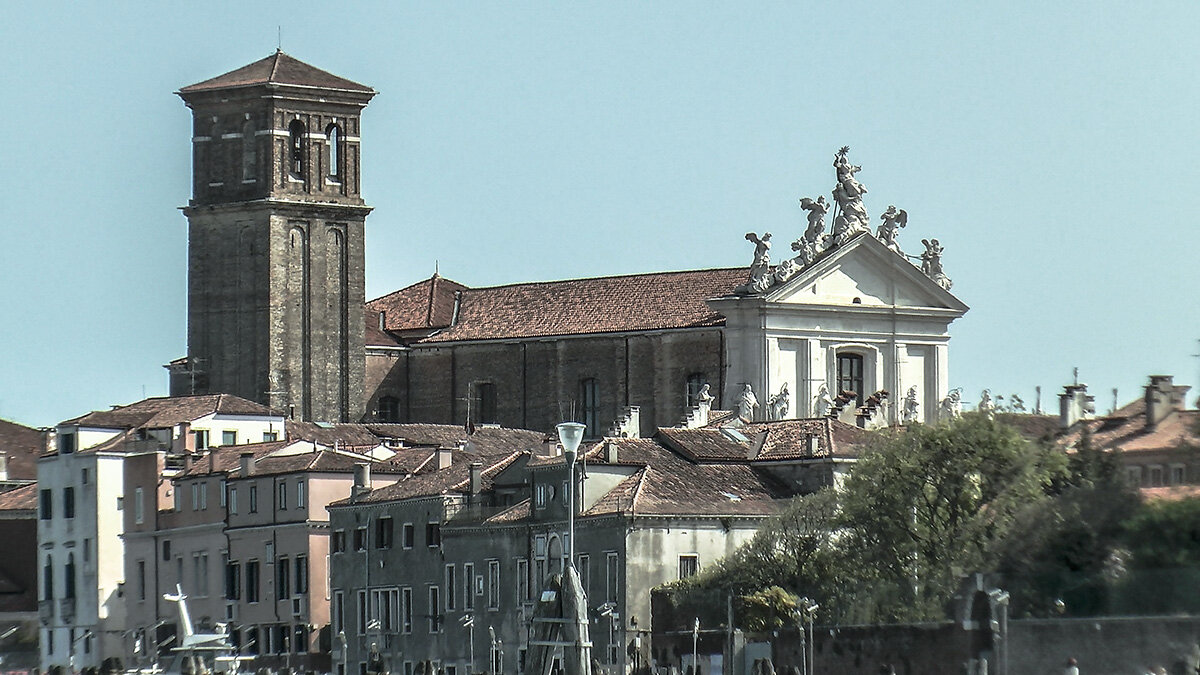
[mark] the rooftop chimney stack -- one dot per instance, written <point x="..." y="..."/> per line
<point x="445" y="457"/>
<point x="1163" y="398"/>
<point x="246" y="464"/>
<point x="3" y="466"/>
<point x="362" y="480"/>
<point x="1074" y="405"/>
<point x="476" y="471"/>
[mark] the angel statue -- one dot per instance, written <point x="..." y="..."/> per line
<point x="846" y="170"/>
<point x="986" y="407"/>
<point x="931" y="263"/>
<point x="951" y="406"/>
<point x="822" y="402"/>
<point x="779" y="403"/>
<point x="762" y="255"/>
<point x="816" y="218"/>
<point x="893" y="219"/>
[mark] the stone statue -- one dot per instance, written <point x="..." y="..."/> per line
<point x="806" y="249"/>
<point x="951" y="406"/>
<point x="931" y="263"/>
<point x="823" y="402"/>
<point x="893" y="219"/>
<point x="986" y="407"/>
<point x="747" y="402"/>
<point x="704" y="397"/>
<point x="816" y="218"/>
<point x="848" y="194"/>
<point x="912" y="406"/>
<point x="760" y="269"/>
<point x="779" y="404"/>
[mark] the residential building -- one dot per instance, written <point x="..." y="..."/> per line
<point x="450" y="563"/>
<point x="83" y="508"/>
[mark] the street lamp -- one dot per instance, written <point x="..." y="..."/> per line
<point x="695" y="639"/>
<point x="808" y="610"/>
<point x="468" y="620"/>
<point x="570" y="434"/>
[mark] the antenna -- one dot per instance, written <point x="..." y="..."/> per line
<point x="279" y="37"/>
<point x="1075" y="372"/>
<point x="1114" y="408"/>
<point x="435" y="266"/>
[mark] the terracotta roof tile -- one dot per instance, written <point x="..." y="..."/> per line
<point x="165" y="411"/>
<point x="424" y="306"/>
<point x="23" y="445"/>
<point x="658" y="301"/>
<point x="453" y="479"/>
<point x="278" y="68"/>
<point x="24" y="498"/>
<point x="1126" y="429"/>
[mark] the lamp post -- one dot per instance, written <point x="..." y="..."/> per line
<point x="808" y="610"/>
<point x="695" y="640"/>
<point x="570" y="434"/>
<point x="468" y="620"/>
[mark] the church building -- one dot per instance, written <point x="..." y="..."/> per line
<point x="849" y="327"/>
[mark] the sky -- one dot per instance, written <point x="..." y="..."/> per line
<point x="1051" y="150"/>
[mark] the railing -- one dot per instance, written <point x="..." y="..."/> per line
<point x="46" y="610"/>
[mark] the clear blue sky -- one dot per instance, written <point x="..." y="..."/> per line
<point x="1053" y="151"/>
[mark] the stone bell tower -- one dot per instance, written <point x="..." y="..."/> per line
<point x="275" y="240"/>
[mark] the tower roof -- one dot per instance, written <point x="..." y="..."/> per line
<point x="278" y="68"/>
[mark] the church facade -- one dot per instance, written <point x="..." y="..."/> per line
<point x="849" y="327"/>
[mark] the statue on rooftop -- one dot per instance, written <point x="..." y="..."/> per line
<point x="704" y="396"/>
<point x="912" y="406"/>
<point x="893" y="219"/>
<point x="951" y="406"/>
<point x="848" y="194"/>
<point x="779" y="404"/>
<point x="986" y="406"/>
<point x="760" y="269"/>
<point x="747" y="402"/>
<point x="931" y="263"/>
<point x="816" y="218"/>
<point x="822" y="402"/>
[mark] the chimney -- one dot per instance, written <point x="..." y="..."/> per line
<point x="362" y="480"/>
<point x="247" y="464"/>
<point x="550" y="447"/>
<point x="1163" y="398"/>
<point x="187" y="442"/>
<point x="445" y="456"/>
<point x="3" y="466"/>
<point x="610" y="451"/>
<point x="187" y="461"/>
<point x="476" y="477"/>
<point x="1074" y="405"/>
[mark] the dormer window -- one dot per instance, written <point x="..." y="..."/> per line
<point x="333" y="137"/>
<point x="296" y="147"/>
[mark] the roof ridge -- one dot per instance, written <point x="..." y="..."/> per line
<point x="609" y="276"/>
<point x="637" y="491"/>
<point x="275" y="65"/>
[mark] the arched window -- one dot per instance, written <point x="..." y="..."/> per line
<point x="48" y="579"/>
<point x="249" y="157"/>
<point x="694" y="383"/>
<point x="69" y="577"/>
<point x="850" y="373"/>
<point x="589" y="403"/>
<point x="389" y="409"/>
<point x="296" y="147"/>
<point x="333" y="137"/>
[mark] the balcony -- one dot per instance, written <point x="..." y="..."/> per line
<point x="46" y="611"/>
<point x="66" y="609"/>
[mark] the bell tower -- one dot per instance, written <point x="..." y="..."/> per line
<point x="275" y="240"/>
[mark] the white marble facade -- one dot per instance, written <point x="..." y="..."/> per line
<point x="862" y="299"/>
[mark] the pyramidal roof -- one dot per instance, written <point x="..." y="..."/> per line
<point x="278" y="68"/>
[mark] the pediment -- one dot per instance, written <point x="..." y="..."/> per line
<point x="867" y="273"/>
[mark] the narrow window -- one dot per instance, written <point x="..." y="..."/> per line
<point x="485" y="403"/>
<point x="493" y="584"/>
<point x="338" y="615"/>
<point x="69" y="577"/>
<point x="68" y="502"/>
<point x="383" y="532"/>
<point x="233" y="505"/>
<point x="139" y="508"/>
<point x="252" y="582"/>
<point x="283" y="578"/>
<point x="47" y="505"/>
<point x="850" y="374"/>
<point x="223" y="490"/>
<point x="522" y="580"/>
<point x="200" y="438"/>
<point x="409" y="535"/>
<point x="389" y="409"/>
<point x="339" y="541"/>
<point x="433" y="535"/>
<point x="301" y="575"/>
<point x="333" y="137"/>
<point x="233" y="581"/>
<point x="253" y="499"/>
<point x="451" y="595"/>
<point x="612" y="580"/>
<point x="406" y="610"/>
<point x="300" y="500"/>
<point x="585" y="573"/>
<point x="166" y="550"/>
<point x="141" y="579"/>
<point x="435" y="609"/>
<point x="282" y="496"/>
<point x="296" y="147"/>
<point x="48" y="579"/>
<point x="360" y="539"/>
<point x="589" y="401"/>
<point x="249" y="155"/>
<point x="695" y="382"/>
<point x="469" y="586"/>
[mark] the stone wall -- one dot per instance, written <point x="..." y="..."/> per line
<point x="536" y="381"/>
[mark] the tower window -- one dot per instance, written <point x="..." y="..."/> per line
<point x="334" y="138"/>
<point x="850" y="373"/>
<point x="296" y="147"/>
<point x="249" y="159"/>
<point x="589" y="399"/>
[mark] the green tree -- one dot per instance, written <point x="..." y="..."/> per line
<point x="925" y="505"/>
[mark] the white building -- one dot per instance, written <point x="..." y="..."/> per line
<point x="81" y="500"/>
